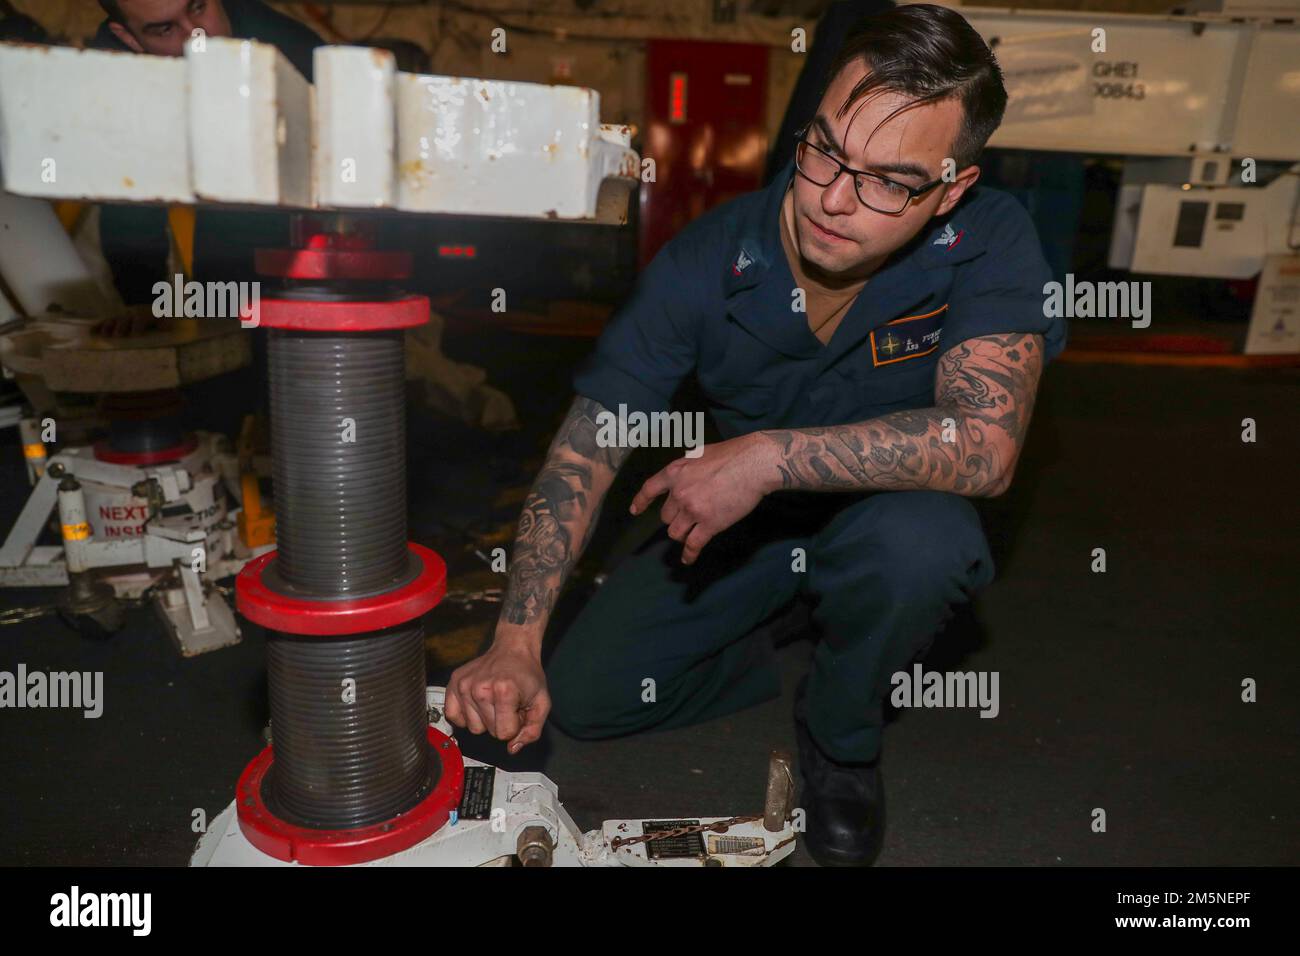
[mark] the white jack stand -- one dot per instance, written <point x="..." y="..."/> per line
<point x="184" y="531"/>
<point x="507" y="819"/>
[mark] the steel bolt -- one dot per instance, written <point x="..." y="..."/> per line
<point x="534" y="847"/>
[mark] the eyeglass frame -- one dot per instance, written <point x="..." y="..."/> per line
<point x="913" y="192"/>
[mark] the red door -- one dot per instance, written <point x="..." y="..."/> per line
<point x="706" y="112"/>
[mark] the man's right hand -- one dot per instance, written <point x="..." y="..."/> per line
<point x="502" y="692"/>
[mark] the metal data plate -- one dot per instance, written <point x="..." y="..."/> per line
<point x="233" y="122"/>
<point x="739" y="844"/>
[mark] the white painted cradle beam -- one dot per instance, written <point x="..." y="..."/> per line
<point x="249" y="124"/>
<point x="356" y="132"/>
<point x="91" y="124"/>
<point x="501" y="148"/>
<point x="233" y="122"/>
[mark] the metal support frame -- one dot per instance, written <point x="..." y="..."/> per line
<point x="194" y="622"/>
<point x="524" y="819"/>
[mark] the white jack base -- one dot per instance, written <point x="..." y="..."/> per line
<point x="218" y="625"/>
<point x="131" y="545"/>
<point x="523" y="804"/>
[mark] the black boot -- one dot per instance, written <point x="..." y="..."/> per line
<point x="843" y="804"/>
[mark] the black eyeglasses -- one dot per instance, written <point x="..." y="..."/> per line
<point x="876" y="192"/>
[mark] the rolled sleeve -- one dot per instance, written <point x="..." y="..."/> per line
<point x="1003" y="290"/>
<point x="651" y="343"/>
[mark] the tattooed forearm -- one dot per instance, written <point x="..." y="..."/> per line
<point x="578" y="432"/>
<point x="559" y="515"/>
<point x="967" y="443"/>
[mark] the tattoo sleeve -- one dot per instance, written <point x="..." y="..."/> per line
<point x="559" y="515"/>
<point x="966" y="443"/>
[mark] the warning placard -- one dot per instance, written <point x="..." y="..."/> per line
<point x="1275" y="320"/>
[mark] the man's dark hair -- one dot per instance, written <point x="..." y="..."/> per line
<point x="20" y="28"/>
<point x="929" y="53"/>
<point x="111" y="8"/>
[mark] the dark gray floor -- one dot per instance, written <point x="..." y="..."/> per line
<point x="1118" y="690"/>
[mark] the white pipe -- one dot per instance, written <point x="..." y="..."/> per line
<point x="76" y="530"/>
<point x="40" y="264"/>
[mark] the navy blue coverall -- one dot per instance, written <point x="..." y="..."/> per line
<point x="883" y="569"/>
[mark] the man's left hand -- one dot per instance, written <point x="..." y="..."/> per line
<point x="708" y="494"/>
